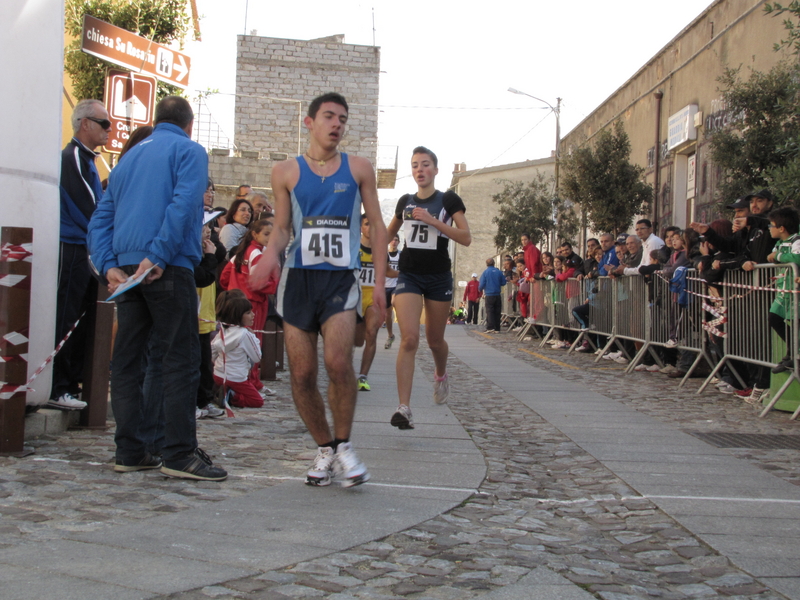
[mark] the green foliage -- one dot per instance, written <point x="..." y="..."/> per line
<point x="792" y="42"/>
<point x="162" y="20"/>
<point x="760" y="146"/>
<point x="602" y="181"/>
<point x="527" y="208"/>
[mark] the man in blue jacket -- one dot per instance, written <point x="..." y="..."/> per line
<point x="80" y="192"/>
<point x="492" y="280"/>
<point x="149" y="224"/>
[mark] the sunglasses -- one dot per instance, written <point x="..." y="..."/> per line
<point x="104" y="123"/>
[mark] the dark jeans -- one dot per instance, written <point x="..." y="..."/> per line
<point x="494" y="307"/>
<point x="77" y="290"/>
<point x="472" y="312"/>
<point x="166" y="309"/>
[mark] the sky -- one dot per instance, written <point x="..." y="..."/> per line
<point x="446" y="67"/>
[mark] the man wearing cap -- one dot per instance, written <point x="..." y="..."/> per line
<point x="472" y="295"/>
<point x="750" y="243"/>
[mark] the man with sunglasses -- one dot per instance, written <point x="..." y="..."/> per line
<point x="81" y="190"/>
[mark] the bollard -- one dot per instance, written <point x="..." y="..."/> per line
<point x="271" y="351"/>
<point x="96" y="370"/>
<point x="15" y="303"/>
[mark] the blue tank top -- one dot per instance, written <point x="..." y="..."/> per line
<point x="326" y="219"/>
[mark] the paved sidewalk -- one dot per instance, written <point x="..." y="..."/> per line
<point x="530" y="483"/>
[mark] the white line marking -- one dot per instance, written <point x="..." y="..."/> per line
<point x="372" y="483"/>
<point x="728" y="499"/>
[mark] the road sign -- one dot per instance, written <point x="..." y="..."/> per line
<point x="134" y="52"/>
<point x="130" y="102"/>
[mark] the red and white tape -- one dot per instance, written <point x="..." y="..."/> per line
<point x="7" y="390"/>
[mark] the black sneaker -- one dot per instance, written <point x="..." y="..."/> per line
<point x="196" y="465"/>
<point x="784" y="365"/>
<point x="128" y="466"/>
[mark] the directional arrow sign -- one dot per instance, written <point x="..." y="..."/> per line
<point x="134" y="52"/>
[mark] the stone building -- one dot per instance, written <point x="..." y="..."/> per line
<point x="275" y="81"/>
<point x="672" y="105"/>
<point x="476" y="189"/>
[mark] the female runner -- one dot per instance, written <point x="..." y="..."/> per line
<point x="430" y="219"/>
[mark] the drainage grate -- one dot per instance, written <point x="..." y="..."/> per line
<point x="753" y="441"/>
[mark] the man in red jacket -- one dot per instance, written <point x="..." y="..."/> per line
<point x="473" y="296"/>
<point x="533" y="258"/>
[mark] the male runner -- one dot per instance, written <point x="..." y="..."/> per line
<point x="368" y="329"/>
<point x="391" y="284"/>
<point x="319" y="197"/>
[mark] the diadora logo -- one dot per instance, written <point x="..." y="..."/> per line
<point x="340" y="187"/>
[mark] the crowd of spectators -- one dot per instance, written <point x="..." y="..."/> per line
<point x="756" y="235"/>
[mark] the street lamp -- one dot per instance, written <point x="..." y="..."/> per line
<point x="557" y="112"/>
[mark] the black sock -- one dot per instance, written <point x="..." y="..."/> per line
<point x="332" y="444"/>
<point x="337" y="441"/>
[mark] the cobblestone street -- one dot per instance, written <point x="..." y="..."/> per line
<point x="547" y="513"/>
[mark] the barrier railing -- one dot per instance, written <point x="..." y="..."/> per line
<point x="734" y="324"/>
<point x="509" y="311"/>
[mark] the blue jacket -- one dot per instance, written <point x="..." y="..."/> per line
<point x="80" y="191"/>
<point x="492" y="279"/>
<point x="153" y="205"/>
<point x="609" y="258"/>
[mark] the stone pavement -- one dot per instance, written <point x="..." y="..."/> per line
<point x="545" y="476"/>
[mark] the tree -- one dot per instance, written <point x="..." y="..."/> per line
<point x="760" y="147"/>
<point x="163" y="21"/>
<point x="603" y="182"/>
<point x="528" y="208"/>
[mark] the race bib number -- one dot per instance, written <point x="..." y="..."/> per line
<point x="326" y="240"/>
<point x="367" y="276"/>
<point x="420" y="235"/>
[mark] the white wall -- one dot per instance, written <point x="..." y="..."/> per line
<point x="31" y="42"/>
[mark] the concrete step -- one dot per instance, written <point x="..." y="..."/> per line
<point x="49" y="421"/>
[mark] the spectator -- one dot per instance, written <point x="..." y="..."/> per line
<point x="81" y="190"/>
<point x="589" y="263"/>
<point x="750" y="243"/>
<point x="570" y="257"/>
<point x="472" y="295"/>
<point x="548" y="270"/>
<point x="522" y="282"/>
<point x="139" y="134"/>
<point x="784" y="225"/>
<point x="648" y="241"/>
<point x="147" y="225"/>
<point x="491" y="282"/>
<point x="609" y="260"/>
<point x="533" y="258"/>
<point x="243" y="191"/>
<point x="261" y="205"/>
<point x="237" y="222"/>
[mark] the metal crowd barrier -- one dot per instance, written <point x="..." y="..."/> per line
<point x="509" y="311"/>
<point x="743" y="310"/>
<point x="624" y="309"/>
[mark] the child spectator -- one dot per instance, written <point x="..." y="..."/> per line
<point x="548" y="270"/>
<point x="784" y="224"/>
<point x="236" y="349"/>
<point x="236" y="275"/>
<point x="205" y="278"/>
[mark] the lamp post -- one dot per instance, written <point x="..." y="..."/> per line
<point x="557" y="112"/>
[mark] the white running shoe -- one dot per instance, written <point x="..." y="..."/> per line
<point x="441" y="389"/>
<point x="653" y="369"/>
<point x="671" y="343"/>
<point x="726" y="388"/>
<point x="402" y="418"/>
<point x="640" y="367"/>
<point x="612" y="355"/>
<point x="757" y="396"/>
<point x="348" y="468"/>
<point x="621" y="360"/>
<point x="266" y="392"/>
<point x="321" y="473"/>
<point x="67" y="402"/>
<point x="212" y="412"/>
<point x="200" y="413"/>
<point x="666" y="369"/>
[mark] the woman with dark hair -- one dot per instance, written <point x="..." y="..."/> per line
<point x="237" y="221"/>
<point x="137" y="136"/>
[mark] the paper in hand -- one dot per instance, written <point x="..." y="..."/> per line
<point x="131" y="282"/>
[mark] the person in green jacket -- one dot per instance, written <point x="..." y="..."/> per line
<point x="784" y="224"/>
